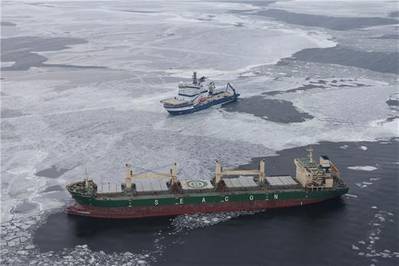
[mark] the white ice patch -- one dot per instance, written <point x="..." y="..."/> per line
<point x="351" y="196"/>
<point x="357" y="8"/>
<point x="363" y="168"/>
<point x="175" y="39"/>
<point x="368" y="247"/>
<point x="7" y="64"/>
<point x="190" y="222"/>
<point x="364" y="148"/>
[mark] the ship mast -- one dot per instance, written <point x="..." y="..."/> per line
<point x="173" y="174"/>
<point x="261" y="171"/>
<point x="195" y="78"/>
<point x="310" y="150"/>
<point x="86" y="179"/>
<point x="129" y="176"/>
<point x="218" y="172"/>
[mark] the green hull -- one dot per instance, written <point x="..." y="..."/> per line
<point x="208" y="198"/>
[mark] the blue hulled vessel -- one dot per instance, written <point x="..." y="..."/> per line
<point x="198" y="95"/>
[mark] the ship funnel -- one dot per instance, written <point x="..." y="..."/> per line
<point x="129" y="176"/>
<point x="262" y="172"/>
<point x="195" y="78"/>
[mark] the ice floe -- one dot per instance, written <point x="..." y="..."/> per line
<point x="341" y="8"/>
<point x="367" y="168"/>
<point x="17" y="248"/>
<point x="368" y="248"/>
<point x="364" y="148"/>
<point x="7" y="64"/>
<point x="190" y="222"/>
<point x="351" y="196"/>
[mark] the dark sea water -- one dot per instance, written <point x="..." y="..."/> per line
<point x="23" y="51"/>
<point x="376" y="61"/>
<point x="358" y="229"/>
<point x="270" y="109"/>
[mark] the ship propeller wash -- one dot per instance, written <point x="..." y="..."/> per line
<point x="198" y="95"/>
<point x="162" y="194"/>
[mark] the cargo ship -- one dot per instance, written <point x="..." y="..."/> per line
<point x="162" y="194"/>
<point x="198" y="95"/>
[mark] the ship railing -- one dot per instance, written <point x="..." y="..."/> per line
<point x="318" y="188"/>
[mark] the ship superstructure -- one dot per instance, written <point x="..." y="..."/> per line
<point x="162" y="194"/>
<point x="198" y="95"/>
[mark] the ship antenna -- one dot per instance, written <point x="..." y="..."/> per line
<point x="310" y="150"/>
<point x="195" y="78"/>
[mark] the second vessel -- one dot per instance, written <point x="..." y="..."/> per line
<point x="198" y="95"/>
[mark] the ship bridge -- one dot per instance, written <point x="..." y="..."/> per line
<point x="312" y="174"/>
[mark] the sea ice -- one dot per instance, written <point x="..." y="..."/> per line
<point x="351" y="195"/>
<point x="363" y="168"/>
<point x="341" y="8"/>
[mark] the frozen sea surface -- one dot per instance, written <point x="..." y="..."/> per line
<point x="81" y="84"/>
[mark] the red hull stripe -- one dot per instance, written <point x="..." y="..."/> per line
<point x="141" y="212"/>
